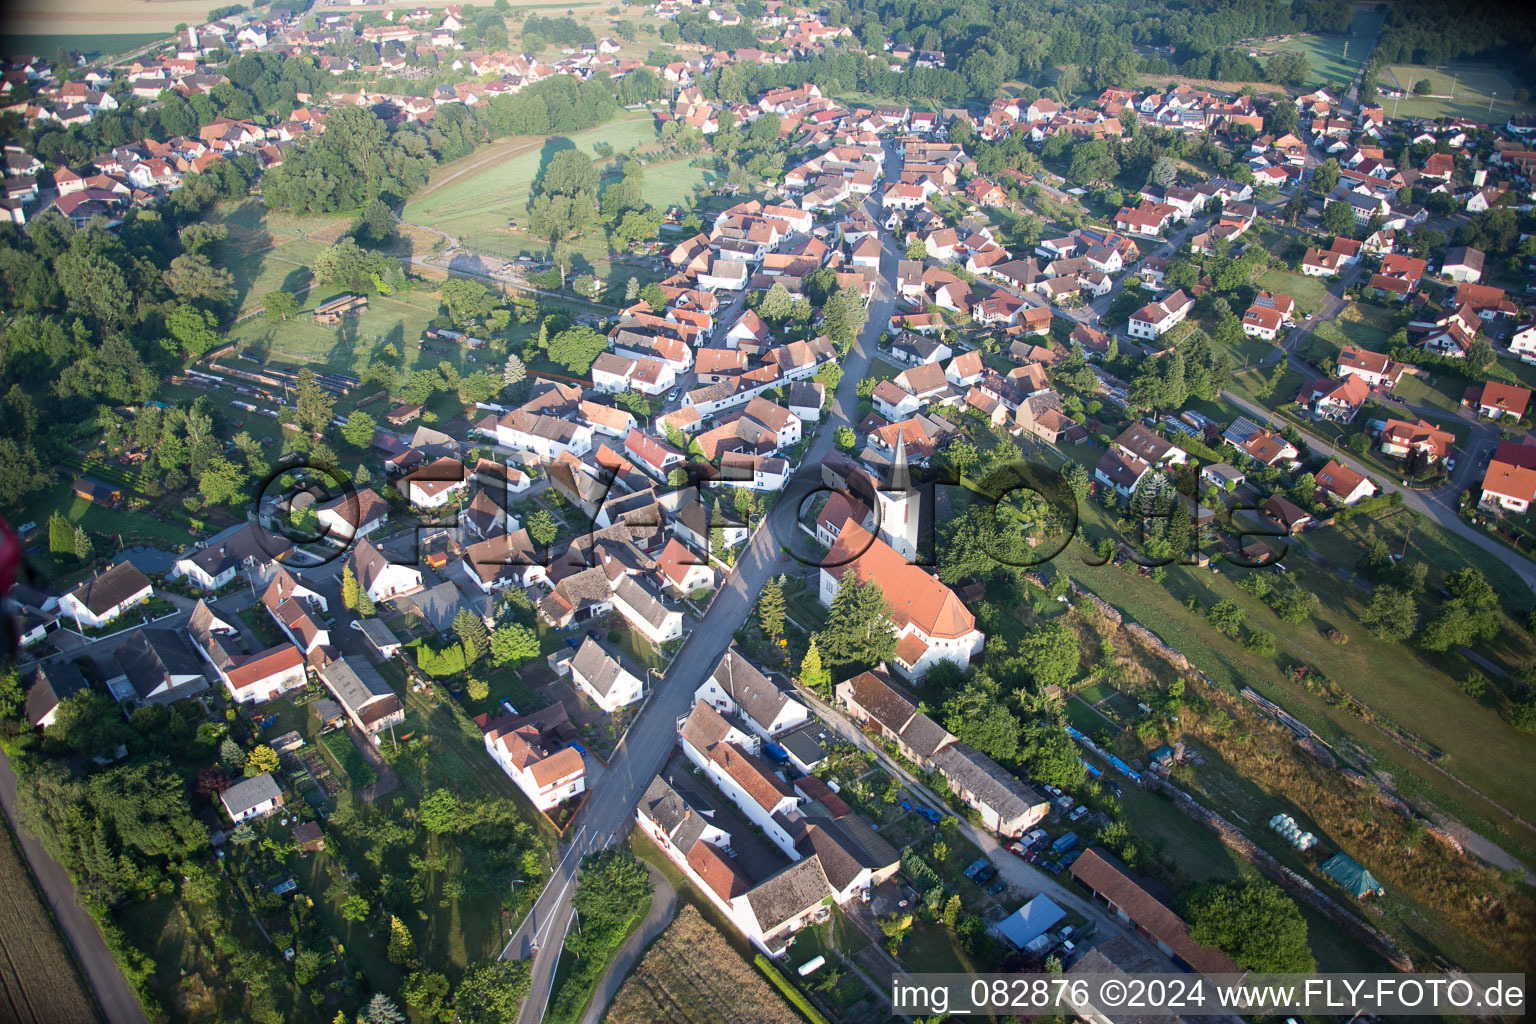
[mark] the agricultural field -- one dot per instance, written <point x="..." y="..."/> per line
<point x="472" y="198"/>
<point x="1477" y="92"/>
<point x="1420" y="695"/>
<point x="691" y="975"/>
<point x="44" y="17"/>
<point x="39" y="982"/>
<point x="93" y="46"/>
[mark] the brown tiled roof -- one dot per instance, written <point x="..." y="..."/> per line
<point x="111" y="588"/>
<point x="751" y="774"/>
<point x="717" y="870"/>
<point x="1113" y="882"/>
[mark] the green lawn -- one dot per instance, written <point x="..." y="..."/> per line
<point x="1416" y="391"/>
<point x="1420" y="693"/>
<point x="1309" y="292"/>
<point x="476" y="207"/>
<point x="1361" y="325"/>
<point x="1475" y="86"/>
<point x="92" y="45"/>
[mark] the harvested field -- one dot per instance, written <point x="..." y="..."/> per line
<point x="49" y="17"/>
<point x="38" y="980"/>
<point x="693" y="976"/>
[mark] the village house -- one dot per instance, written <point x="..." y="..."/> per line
<point x="1157" y="318"/>
<point x="249" y="678"/>
<point x="1509" y="483"/>
<point x="1497" y="401"/>
<point x="1343" y="484"/>
<point x="252" y="798"/>
<point x="536" y="753"/>
<point x="1007" y="805"/>
<point x="737" y="688"/>
<point x="599" y="673"/>
<point x="101" y="599"/>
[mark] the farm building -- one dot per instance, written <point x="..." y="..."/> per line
<point x="1030" y="921"/>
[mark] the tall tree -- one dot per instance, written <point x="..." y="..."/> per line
<point x="312" y="403"/>
<point x="1253" y="922"/>
<point x="978" y="715"/>
<point x="1051" y="653"/>
<point x="348" y="587"/>
<point x="859" y="629"/>
<point x="770" y="609"/>
<point x="471" y="631"/>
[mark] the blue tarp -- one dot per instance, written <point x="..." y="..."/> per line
<point x="1030" y="921"/>
<point x="1093" y="769"/>
<point x="1123" y="768"/>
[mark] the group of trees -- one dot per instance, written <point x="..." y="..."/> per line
<point x="360" y="158"/>
<point x="97" y="318"/>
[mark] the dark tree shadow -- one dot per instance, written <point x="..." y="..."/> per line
<point x="297" y="278"/>
<point x="547" y="153"/>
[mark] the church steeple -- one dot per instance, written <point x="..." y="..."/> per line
<point x="900" y="477"/>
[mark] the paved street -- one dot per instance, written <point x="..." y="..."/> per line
<point x="609" y="811"/>
<point x="1439" y="504"/>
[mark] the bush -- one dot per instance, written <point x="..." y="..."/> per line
<point x="795" y="996"/>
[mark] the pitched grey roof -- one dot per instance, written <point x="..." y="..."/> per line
<point x="596" y="665"/>
<point x="149" y="657"/>
<point x="841" y="859"/>
<point x="789" y="893"/>
<point x="111" y="588"/>
<point x="249" y="793"/>
<point x="756" y="695"/>
<point x="988" y="781"/>
<point x="50" y="684"/>
<point x="924" y="736"/>
<point x="673" y="813"/>
<point x="249" y="541"/>
<point x="356" y="690"/>
<point x="641" y="600"/>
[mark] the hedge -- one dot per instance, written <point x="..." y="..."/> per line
<point x="794" y="995"/>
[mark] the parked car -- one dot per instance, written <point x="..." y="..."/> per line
<point x="1078" y="812"/>
<point x="1034" y="837"/>
<point x="997" y="887"/>
<point x="976" y="867"/>
<point x="1017" y="848"/>
<point x="1051" y="867"/>
<point x="931" y="814"/>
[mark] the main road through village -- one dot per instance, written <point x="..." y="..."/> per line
<point x="609" y="811"/>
